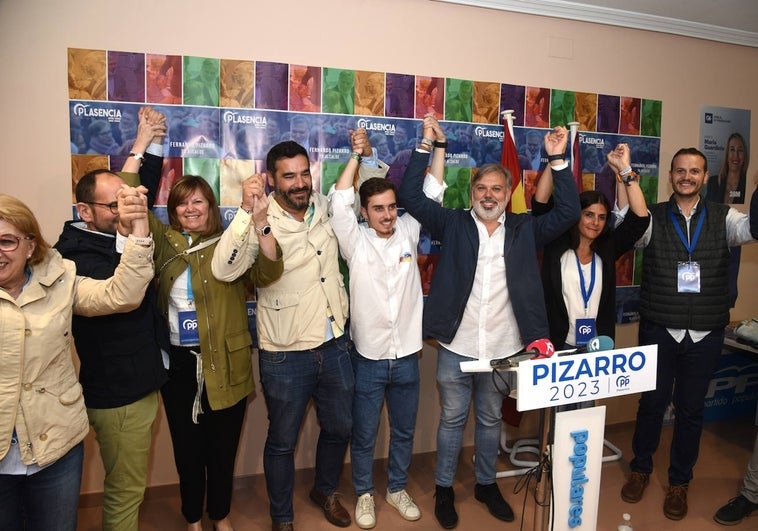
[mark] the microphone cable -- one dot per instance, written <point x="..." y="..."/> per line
<point x="542" y="471"/>
<point x="500" y="382"/>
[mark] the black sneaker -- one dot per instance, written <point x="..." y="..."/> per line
<point x="735" y="511"/>
<point x="491" y="497"/>
<point x="444" y="509"/>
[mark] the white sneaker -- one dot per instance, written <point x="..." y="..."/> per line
<point x="365" y="515"/>
<point x="402" y="501"/>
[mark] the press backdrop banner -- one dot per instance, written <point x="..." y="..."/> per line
<point x="224" y="115"/>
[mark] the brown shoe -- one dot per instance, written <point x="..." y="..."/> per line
<point x="282" y="526"/>
<point x="333" y="509"/>
<point x="675" y="505"/>
<point x="634" y="487"/>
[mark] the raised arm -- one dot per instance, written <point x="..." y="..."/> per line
<point x="566" y="210"/>
<point x="254" y="200"/>
<point x="370" y="166"/>
<point x="125" y="290"/>
<point x="433" y="130"/>
<point x="248" y="242"/>
<point x="541" y="201"/>
<point x="151" y="128"/>
<point x="360" y="144"/>
<point x="151" y="131"/>
<point x="132" y="212"/>
<point x="411" y="194"/>
<point x="344" y="199"/>
<point x="628" y="189"/>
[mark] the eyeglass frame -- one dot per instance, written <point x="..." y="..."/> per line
<point x="17" y="238"/>
<point x="113" y="207"/>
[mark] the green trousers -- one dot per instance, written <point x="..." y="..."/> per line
<point x="124" y="435"/>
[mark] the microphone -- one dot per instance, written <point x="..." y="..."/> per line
<point x="539" y="348"/>
<point x="596" y="344"/>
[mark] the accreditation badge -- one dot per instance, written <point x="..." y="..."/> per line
<point x="688" y="277"/>
<point x="585" y="330"/>
<point x="188" y="333"/>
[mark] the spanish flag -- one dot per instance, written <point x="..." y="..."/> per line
<point x="509" y="160"/>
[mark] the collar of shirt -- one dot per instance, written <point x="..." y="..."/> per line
<point x="479" y="223"/>
<point x="692" y="212"/>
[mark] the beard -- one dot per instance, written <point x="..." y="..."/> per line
<point x="293" y="202"/>
<point x="489" y="214"/>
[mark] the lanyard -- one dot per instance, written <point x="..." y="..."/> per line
<point x="586" y="293"/>
<point x="190" y="294"/>
<point x="690" y="246"/>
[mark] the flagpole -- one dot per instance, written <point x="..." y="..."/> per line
<point x="509" y="160"/>
<point x="574" y="132"/>
<point x="507" y="116"/>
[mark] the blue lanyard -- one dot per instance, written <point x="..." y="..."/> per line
<point x="190" y="294"/>
<point x="586" y="293"/>
<point x="690" y="246"/>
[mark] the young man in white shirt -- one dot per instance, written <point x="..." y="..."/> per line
<point x="386" y="304"/>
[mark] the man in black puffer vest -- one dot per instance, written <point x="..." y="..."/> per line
<point x="684" y="308"/>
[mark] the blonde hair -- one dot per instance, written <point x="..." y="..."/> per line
<point x="16" y="213"/>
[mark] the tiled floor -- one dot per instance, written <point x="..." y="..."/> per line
<point x="725" y="449"/>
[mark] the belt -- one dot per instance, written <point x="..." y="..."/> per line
<point x="327" y="344"/>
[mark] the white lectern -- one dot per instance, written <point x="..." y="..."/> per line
<point x="573" y="440"/>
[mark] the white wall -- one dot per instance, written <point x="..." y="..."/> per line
<point x="408" y="36"/>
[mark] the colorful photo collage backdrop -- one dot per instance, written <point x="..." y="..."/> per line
<point x="223" y="115"/>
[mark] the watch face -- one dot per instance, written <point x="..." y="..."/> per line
<point x="266" y="230"/>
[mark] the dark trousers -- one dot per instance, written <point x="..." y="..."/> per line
<point x="205" y="452"/>
<point x="686" y="369"/>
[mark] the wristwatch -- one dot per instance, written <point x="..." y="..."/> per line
<point x="263" y="231"/>
<point x="629" y="178"/>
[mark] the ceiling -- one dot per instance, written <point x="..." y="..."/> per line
<point x="730" y="21"/>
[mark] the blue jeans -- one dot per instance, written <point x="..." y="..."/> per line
<point x="45" y="501"/>
<point x="290" y="379"/>
<point x="398" y="381"/>
<point x="691" y="366"/>
<point x="455" y="396"/>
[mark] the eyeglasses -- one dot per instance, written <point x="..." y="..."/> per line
<point x="9" y="242"/>
<point x="112" y="206"/>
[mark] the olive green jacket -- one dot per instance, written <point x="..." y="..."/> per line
<point x="225" y="341"/>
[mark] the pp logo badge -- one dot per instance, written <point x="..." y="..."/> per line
<point x="585" y="329"/>
<point x="189" y="324"/>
